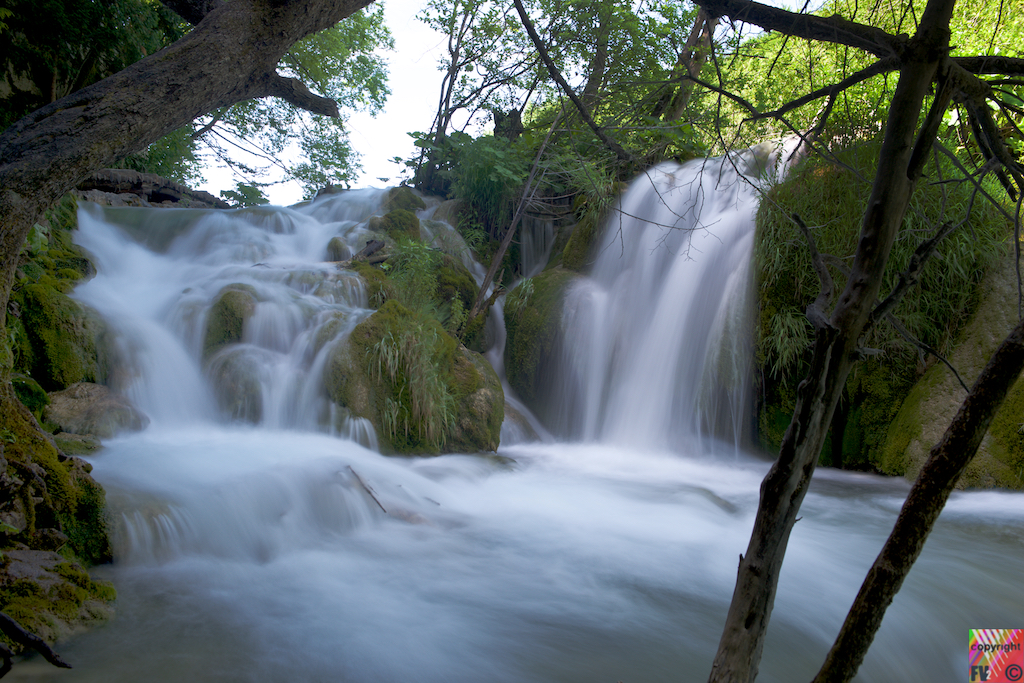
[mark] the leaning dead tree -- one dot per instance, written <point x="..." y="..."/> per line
<point x="930" y="80"/>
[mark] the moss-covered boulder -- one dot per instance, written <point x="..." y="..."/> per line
<point x="87" y="408"/>
<point x="533" y="321"/>
<point x="31" y="395"/>
<point x="403" y="198"/>
<point x="225" y="321"/>
<point x="397" y="224"/>
<point x="338" y="250"/>
<point x="41" y="489"/>
<point x="831" y="199"/>
<point x="49" y="595"/>
<point x="934" y="400"/>
<point x="235" y="374"/>
<point x="578" y="253"/>
<point x="58" y="340"/>
<point x="423" y="392"/>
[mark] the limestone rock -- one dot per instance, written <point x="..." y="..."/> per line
<point x="87" y="408"/>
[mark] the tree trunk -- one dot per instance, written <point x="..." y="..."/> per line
<point x="230" y="56"/>
<point x="946" y="462"/>
<point x="835" y="351"/>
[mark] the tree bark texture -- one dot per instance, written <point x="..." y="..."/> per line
<point x="946" y="462"/>
<point x="835" y="347"/>
<point x="230" y="56"/>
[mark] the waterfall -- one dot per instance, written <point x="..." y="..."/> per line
<point x="259" y="536"/>
<point x="656" y="349"/>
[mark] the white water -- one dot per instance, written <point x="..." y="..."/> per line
<point x="252" y="553"/>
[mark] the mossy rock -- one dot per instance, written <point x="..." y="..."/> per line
<point x="225" y="321"/>
<point x="423" y="392"/>
<point x="397" y="224"/>
<point x="235" y="374"/>
<point x="88" y="408"/>
<point x="378" y="286"/>
<point x="50" y="596"/>
<point x="933" y="402"/>
<point x="61" y="335"/>
<point x="58" y="493"/>
<point x="30" y="394"/>
<point x="533" y="321"/>
<point x="578" y="253"/>
<point x="338" y="250"/>
<point x="403" y="198"/>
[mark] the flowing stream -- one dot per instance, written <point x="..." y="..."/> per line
<point x="248" y="550"/>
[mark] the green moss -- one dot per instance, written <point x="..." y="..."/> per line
<point x="72" y="500"/>
<point x="31" y="395"/>
<point x="533" y="313"/>
<point x="226" y="318"/>
<point x="62" y="335"/>
<point x="397" y="224"/>
<point x="578" y="252"/>
<point x="403" y="198"/>
<point x="378" y="286"/>
<point x="413" y="381"/>
<point x="1007" y="445"/>
<point x="831" y="201"/>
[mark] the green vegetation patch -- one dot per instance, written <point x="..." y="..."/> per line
<point x="422" y="391"/>
<point x="225" y="321"/>
<point x="533" y="314"/>
<point x="831" y="201"/>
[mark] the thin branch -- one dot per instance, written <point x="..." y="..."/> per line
<point x="906" y="334"/>
<point x="881" y="66"/>
<point x="621" y="153"/>
<point x="18" y="634"/>
<point x="912" y="275"/>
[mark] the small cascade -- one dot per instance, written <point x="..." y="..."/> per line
<point x="162" y="282"/>
<point x="656" y="348"/>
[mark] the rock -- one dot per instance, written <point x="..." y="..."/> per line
<point x="533" y="320"/>
<point x="337" y="250"/>
<point x="423" y="392"/>
<point x="87" y="408"/>
<point x="51" y="596"/>
<point x="225" y="321"/>
<point x="403" y="198"/>
<point x="934" y="400"/>
<point x="149" y="187"/>
<point x="235" y="374"/>
<point x="397" y="224"/>
<point x="63" y="337"/>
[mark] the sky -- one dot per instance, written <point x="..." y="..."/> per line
<point x="415" y="81"/>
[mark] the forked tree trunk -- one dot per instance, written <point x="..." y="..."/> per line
<point x="835" y="350"/>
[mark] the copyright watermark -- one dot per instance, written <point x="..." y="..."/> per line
<point x="996" y="655"/>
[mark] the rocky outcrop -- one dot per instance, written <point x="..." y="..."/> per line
<point x="226" y="318"/>
<point x="87" y="408"/>
<point x="423" y="392"/>
<point x="123" y="187"/>
<point x="936" y="397"/>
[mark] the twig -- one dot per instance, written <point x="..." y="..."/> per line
<point x="816" y="310"/>
<point x="366" y="487"/>
<point x="905" y="333"/>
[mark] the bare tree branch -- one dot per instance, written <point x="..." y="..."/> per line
<point x="621" y="153"/>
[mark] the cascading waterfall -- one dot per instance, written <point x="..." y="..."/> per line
<point x="248" y="546"/>
<point x="656" y="348"/>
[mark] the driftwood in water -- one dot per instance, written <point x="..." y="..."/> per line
<point x="15" y="632"/>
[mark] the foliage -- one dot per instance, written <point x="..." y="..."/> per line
<point x="52" y="48"/>
<point x="831" y="199"/>
<point x="343" y="63"/>
<point x="245" y="195"/>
